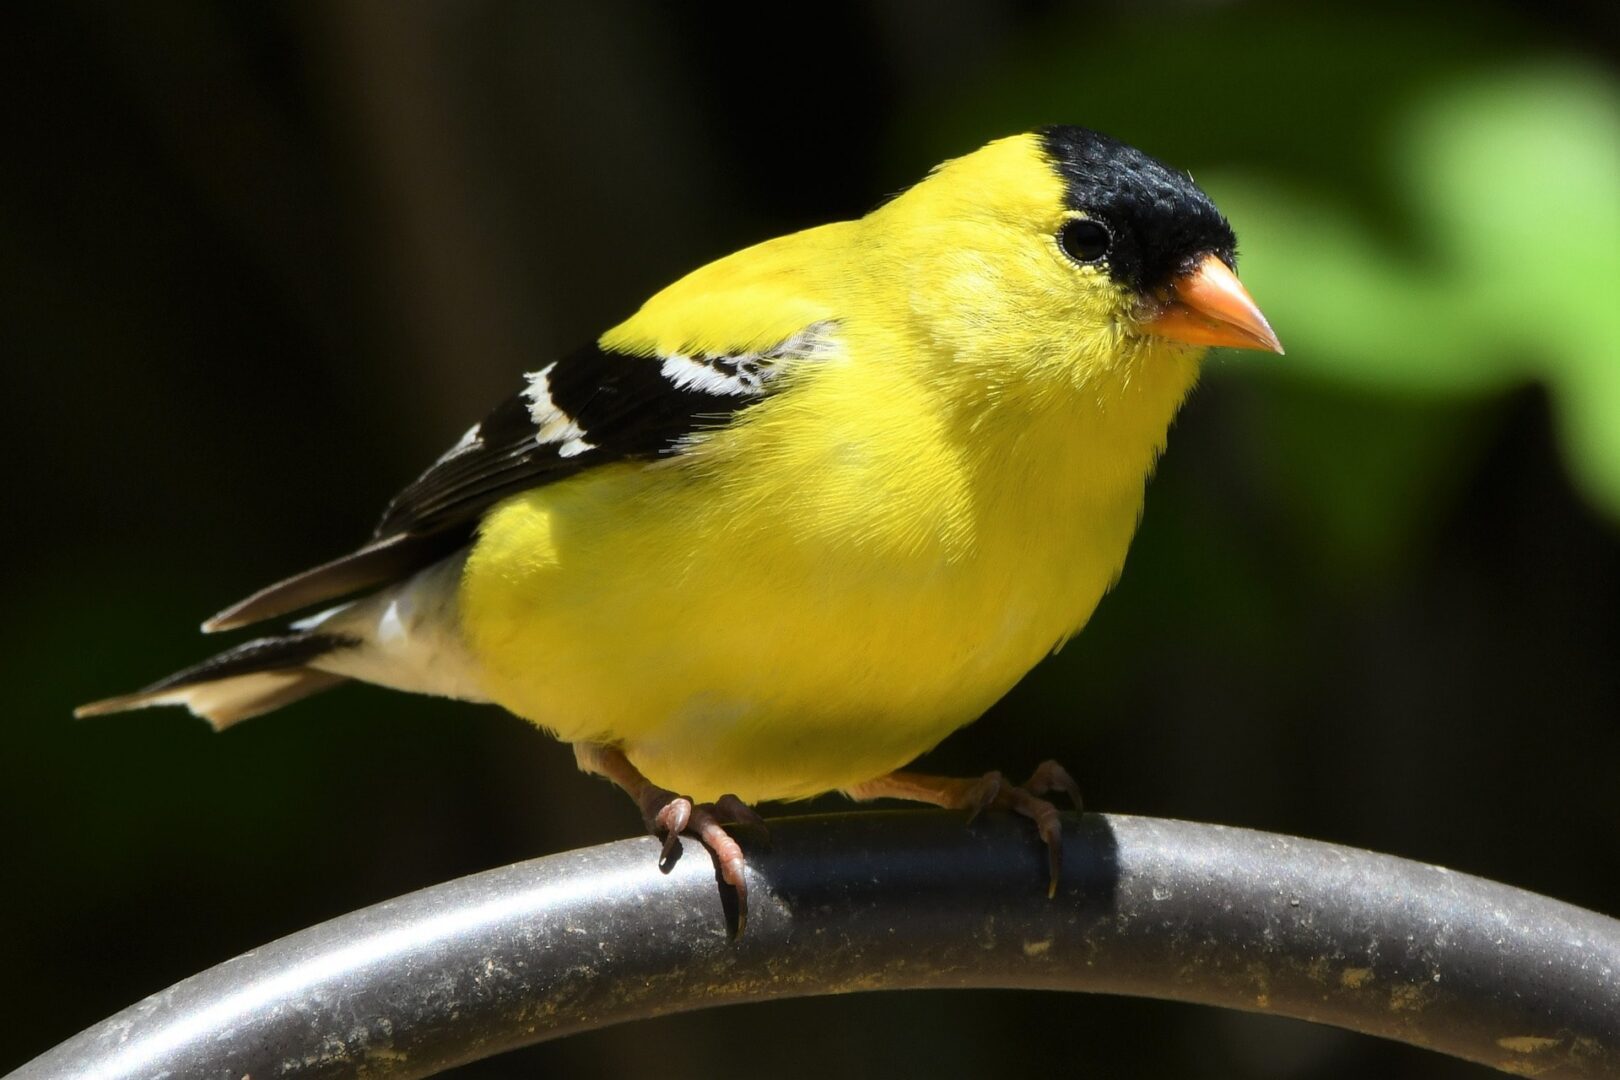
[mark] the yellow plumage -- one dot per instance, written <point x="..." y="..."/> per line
<point x="812" y="508"/>
<point x="866" y="560"/>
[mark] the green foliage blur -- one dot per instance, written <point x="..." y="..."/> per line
<point x="260" y="263"/>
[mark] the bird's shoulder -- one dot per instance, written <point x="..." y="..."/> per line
<point x="750" y="300"/>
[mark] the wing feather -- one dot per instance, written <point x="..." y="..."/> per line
<point x="592" y="407"/>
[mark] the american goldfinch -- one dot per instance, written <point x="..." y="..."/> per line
<point x="809" y="510"/>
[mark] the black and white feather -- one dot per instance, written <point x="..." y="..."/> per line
<point x="592" y="407"/>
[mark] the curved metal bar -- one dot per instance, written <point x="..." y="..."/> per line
<point x="889" y="901"/>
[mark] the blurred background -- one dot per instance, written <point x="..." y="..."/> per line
<point x="260" y="263"/>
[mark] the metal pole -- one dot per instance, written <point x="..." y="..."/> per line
<point x="891" y="901"/>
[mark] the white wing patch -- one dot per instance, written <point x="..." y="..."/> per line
<point x="729" y="375"/>
<point x="552" y="425"/>
<point x="713" y="375"/>
<point x="746" y="374"/>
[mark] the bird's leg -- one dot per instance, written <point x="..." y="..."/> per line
<point x="990" y="791"/>
<point x="668" y="815"/>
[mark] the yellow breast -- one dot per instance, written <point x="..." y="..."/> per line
<point x="867" y="559"/>
<point x="819" y="593"/>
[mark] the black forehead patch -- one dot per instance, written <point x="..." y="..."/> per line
<point x="1161" y="221"/>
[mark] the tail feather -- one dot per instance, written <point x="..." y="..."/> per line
<point x="379" y="563"/>
<point x="247" y="681"/>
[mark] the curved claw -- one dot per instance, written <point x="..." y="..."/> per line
<point x="1049" y="825"/>
<point x="670" y="821"/>
<point x="666" y="854"/>
<point x="1048" y="777"/>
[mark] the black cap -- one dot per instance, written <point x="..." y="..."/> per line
<point x="1161" y="222"/>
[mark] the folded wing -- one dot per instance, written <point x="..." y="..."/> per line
<point x="590" y="408"/>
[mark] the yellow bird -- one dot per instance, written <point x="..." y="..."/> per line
<point x="815" y="506"/>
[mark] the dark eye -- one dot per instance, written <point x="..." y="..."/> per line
<point x="1084" y="241"/>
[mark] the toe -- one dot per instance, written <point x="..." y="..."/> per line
<point x="733" y="811"/>
<point x="1048" y="777"/>
<point x="1050" y="826"/>
<point x="674" y="817"/>
<point x="670" y="821"/>
<point x="987" y="791"/>
<point x="728" y="856"/>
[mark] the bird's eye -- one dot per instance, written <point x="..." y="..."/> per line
<point x="1084" y="241"/>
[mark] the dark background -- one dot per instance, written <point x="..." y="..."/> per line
<point x="260" y="263"/>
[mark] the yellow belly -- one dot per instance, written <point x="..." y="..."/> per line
<point x="747" y="652"/>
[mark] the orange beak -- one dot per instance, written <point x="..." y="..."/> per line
<point x="1208" y="305"/>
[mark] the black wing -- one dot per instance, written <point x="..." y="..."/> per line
<point x="589" y="408"/>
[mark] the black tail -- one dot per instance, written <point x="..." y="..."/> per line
<point x="249" y="680"/>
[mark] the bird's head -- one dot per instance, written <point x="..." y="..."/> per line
<point x="1065" y="245"/>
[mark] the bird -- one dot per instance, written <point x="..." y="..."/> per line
<point x="810" y="509"/>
